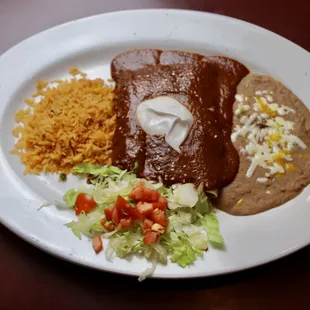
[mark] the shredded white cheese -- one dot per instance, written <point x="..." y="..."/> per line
<point x="262" y="180"/>
<point x="269" y="138"/>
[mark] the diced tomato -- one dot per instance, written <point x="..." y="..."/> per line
<point x="126" y="222"/>
<point x="146" y="231"/>
<point x="108" y="213"/>
<point x="144" y="208"/>
<point x="119" y="226"/>
<point x="158" y="228"/>
<point x="137" y="193"/>
<point x="150" y="195"/>
<point x="121" y="203"/>
<point x="116" y="216"/>
<point x="160" y="204"/>
<point x="97" y="244"/>
<point x="108" y="226"/>
<point x="141" y="184"/>
<point x="141" y="193"/>
<point x="163" y="201"/>
<point x="147" y="224"/>
<point x="158" y="216"/>
<point x="132" y="212"/>
<point x="84" y="202"/>
<point x="151" y="237"/>
<point x="124" y="208"/>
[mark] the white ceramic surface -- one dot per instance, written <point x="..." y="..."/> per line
<point x="90" y="44"/>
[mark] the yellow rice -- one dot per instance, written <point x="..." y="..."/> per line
<point x="73" y="123"/>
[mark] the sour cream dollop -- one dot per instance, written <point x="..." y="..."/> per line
<point x="166" y="116"/>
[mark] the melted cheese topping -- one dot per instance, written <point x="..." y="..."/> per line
<point x="269" y="138"/>
<point x="165" y="116"/>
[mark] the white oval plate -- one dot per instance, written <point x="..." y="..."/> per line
<point x="90" y="44"/>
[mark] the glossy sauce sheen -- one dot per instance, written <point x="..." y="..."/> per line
<point x="206" y="86"/>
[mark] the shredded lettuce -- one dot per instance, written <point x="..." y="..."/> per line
<point x="210" y="221"/>
<point x="46" y="204"/>
<point x="185" y="223"/>
<point x="135" y="167"/>
<point x="182" y="251"/>
<point x="109" y="182"/>
<point x="87" y="224"/>
<point x="164" y="191"/>
<point x="112" y="182"/>
<point x="183" y="195"/>
<point x="213" y="193"/>
<point x="148" y="272"/>
<point x="159" y="252"/>
<point x="96" y="170"/>
<point x="109" y="253"/>
<point x="76" y="231"/>
<point x="179" y="219"/>
<point x="198" y="240"/>
<point x="70" y="197"/>
<point x="126" y="243"/>
<point x="192" y="221"/>
<point x="107" y="191"/>
<point x="203" y="204"/>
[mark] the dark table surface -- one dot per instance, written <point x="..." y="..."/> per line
<point x="31" y="279"/>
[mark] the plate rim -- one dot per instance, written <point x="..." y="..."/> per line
<point x="64" y="256"/>
<point x="142" y="11"/>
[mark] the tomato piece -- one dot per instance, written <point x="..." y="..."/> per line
<point x="121" y="203"/>
<point x="108" y="226"/>
<point x="116" y="216"/>
<point x="126" y="222"/>
<point x="84" y="202"/>
<point x="158" y="216"/>
<point x="137" y="193"/>
<point x="144" y="208"/>
<point x="150" y="195"/>
<point x="158" y="228"/>
<point x="147" y="224"/>
<point x="160" y="204"/>
<point x="132" y="212"/>
<point x="163" y="201"/>
<point x="141" y="193"/>
<point x="97" y="244"/>
<point x="125" y="209"/>
<point x="119" y="226"/>
<point x="151" y="237"/>
<point x="108" y="213"/>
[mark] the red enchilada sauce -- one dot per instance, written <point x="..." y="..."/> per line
<point x="206" y="86"/>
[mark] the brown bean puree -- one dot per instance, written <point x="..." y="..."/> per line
<point x="245" y="195"/>
<point x="206" y="86"/>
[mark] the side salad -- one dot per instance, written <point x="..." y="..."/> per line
<point x="141" y="217"/>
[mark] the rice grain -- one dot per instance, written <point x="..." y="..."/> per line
<point x="66" y="125"/>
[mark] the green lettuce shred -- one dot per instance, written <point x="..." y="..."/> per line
<point x="96" y="170"/>
<point x="210" y="221"/>
<point x="127" y="243"/>
<point x="203" y="205"/>
<point x="87" y="224"/>
<point x="192" y="220"/>
<point x="70" y="197"/>
<point x="182" y="252"/>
